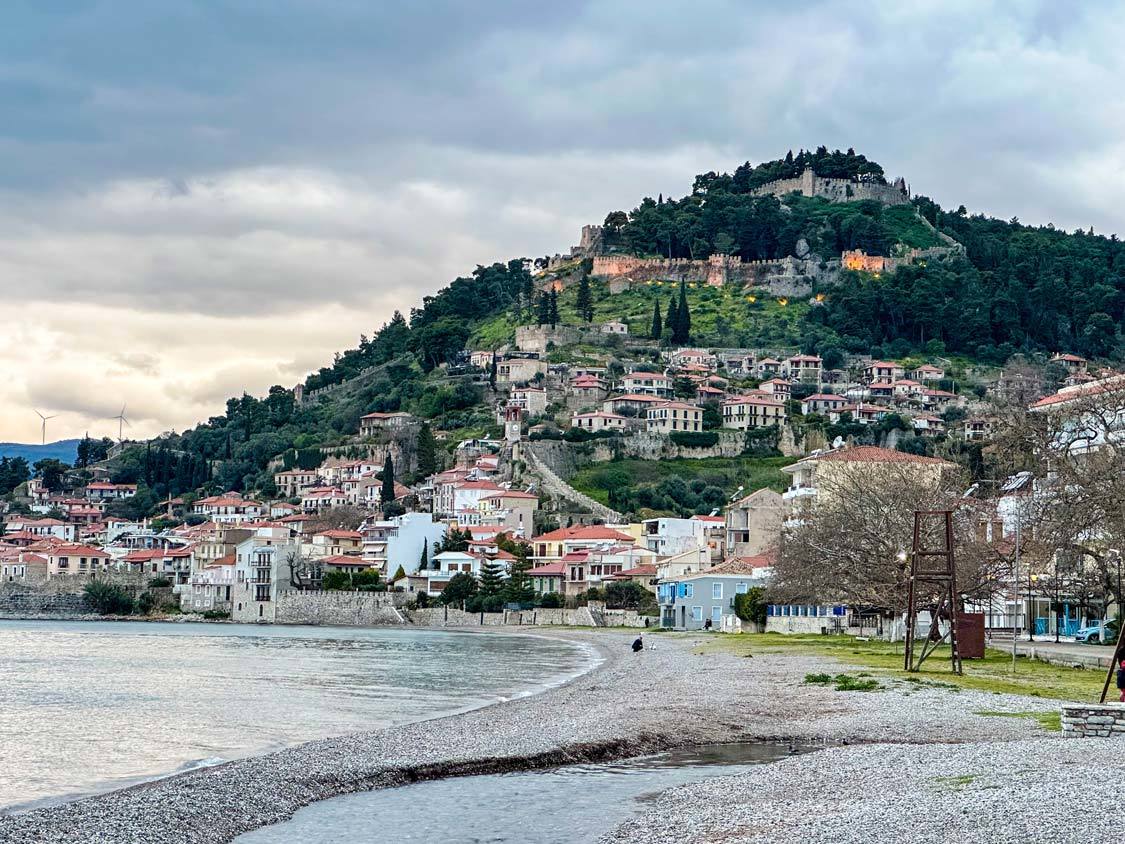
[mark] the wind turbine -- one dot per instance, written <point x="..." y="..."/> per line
<point x="45" y="418"/>
<point x="121" y="423"/>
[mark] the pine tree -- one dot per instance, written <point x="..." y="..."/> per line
<point x="519" y="589"/>
<point x="682" y="333"/>
<point x="544" y="315"/>
<point x="387" y="494"/>
<point x="657" y="323"/>
<point x="427" y="451"/>
<point x="491" y="578"/>
<point x="584" y="301"/>
<point x="424" y="560"/>
<point x="670" y="318"/>
<point x="553" y="308"/>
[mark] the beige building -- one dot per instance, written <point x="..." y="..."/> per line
<point x="519" y="370"/>
<point x="754" y="523"/>
<point x="373" y="423"/>
<point x="674" y="416"/>
<point x="744" y="412"/>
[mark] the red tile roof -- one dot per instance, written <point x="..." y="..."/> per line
<point x="874" y="454"/>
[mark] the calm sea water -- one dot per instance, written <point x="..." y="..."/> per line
<point x="90" y="706"/>
<point x="570" y="805"/>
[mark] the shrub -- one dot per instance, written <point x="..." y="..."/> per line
<point x="216" y="615"/>
<point x="551" y="601"/>
<point x="694" y="439"/>
<point x="158" y="582"/>
<point x="751" y="606"/>
<point x="146" y="603"/>
<point x="107" y="598"/>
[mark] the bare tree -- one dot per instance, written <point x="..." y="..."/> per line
<point x="851" y="544"/>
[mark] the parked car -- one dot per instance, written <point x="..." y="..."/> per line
<point x="1093" y="635"/>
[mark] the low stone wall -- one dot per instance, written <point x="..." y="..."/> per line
<point x="1089" y="720"/>
<point x="340" y="608"/>
<point x="579" y="617"/>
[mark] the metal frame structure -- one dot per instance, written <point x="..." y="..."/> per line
<point x="1118" y="655"/>
<point x="933" y="567"/>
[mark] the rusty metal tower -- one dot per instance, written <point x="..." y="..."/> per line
<point x="932" y="586"/>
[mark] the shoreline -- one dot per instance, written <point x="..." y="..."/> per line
<point x="629" y="705"/>
<point x="585" y="658"/>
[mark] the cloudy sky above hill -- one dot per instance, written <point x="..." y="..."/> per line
<point x="214" y="197"/>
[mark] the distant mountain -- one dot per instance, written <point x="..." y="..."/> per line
<point x="64" y="450"/>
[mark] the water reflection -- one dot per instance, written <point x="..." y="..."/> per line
<point x="86" y="706"/>
<point x="571" y="805"/>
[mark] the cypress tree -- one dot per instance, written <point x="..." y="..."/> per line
<point x="553" y="308"/>
<point x="388" y="491"/>
<point x="424" y="561"/>
<point x="544" y="315"/>
<point x="584" y="301"/>
<point x="657" y="323"/>
<point x="683" y="317"/>
<point x="427" y="451"/>
<point x="670" y="318"/>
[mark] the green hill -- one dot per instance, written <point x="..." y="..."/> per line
<point x="1016" y="288"/>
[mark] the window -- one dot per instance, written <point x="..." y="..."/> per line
<point x="689" y="590"/>
<point x="741" y="588"/>
<point x="717" y="591"/>
<point x="697" y="613"/>
<point x="717" y="615"/>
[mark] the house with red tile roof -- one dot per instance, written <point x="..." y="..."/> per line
<point x="817" y="476"/>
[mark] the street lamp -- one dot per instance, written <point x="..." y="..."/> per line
<point x="1031" y="579"/>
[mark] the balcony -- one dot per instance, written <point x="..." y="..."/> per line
<point x="798" y="493"/>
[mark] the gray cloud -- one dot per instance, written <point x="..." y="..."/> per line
<point x="244" y="174"/>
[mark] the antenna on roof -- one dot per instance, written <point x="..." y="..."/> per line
<point x="734" y="496"/>
<point x="45" y="418"/>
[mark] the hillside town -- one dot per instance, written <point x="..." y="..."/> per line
<point x="494" y="528"/>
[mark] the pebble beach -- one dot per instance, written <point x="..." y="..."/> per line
<point x="906" y="763"/>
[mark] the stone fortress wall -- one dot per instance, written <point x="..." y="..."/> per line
<point x="837" y="190"/>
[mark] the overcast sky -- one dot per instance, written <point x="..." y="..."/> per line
<point x="202" y="198"/>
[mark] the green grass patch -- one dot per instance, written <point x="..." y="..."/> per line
<point x="844" y="682"/>
<point x="991" y="674"/>
<point x="729" y="473"/>
<point x="720" y="316"/>
<point x="1047" y="720"/>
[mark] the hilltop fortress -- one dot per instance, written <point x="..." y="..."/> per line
<point x="838" y="190"/>
<point x="793" y="275"/>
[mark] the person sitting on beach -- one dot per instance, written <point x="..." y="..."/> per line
<point x="1121" y="679"/>
<point x="639" y="645"/>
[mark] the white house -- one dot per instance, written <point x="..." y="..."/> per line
<point x="598" y="421"/>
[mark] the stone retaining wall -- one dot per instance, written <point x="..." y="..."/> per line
<point x="29" y="602"/>
<point x="1088" y="720"/>
<point x="340" y="608"/>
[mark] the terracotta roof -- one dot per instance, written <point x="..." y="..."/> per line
<point x="345" y="560"/>
<point x="637" y="571"/>
<point x="78" y="550"/>
<point x="736" y="566"/>
<point x="592" y="532"/>
<point x="337" y="533"/>
<point x="874" y="454"/>
<point x="556" y="569"/>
